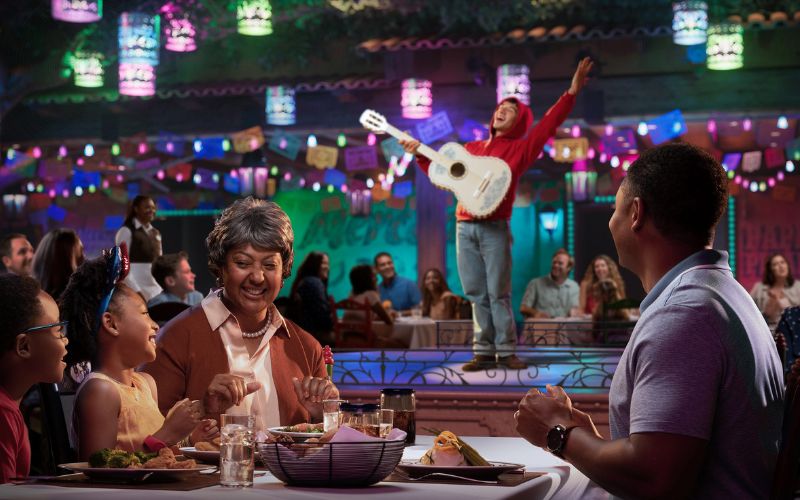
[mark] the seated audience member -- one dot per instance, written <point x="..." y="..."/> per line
<point x="173" y="273"/>
<point x="58" y="256"/>
<point x="789" y="326"/>
<point x="438" y="302"/>
<point x="554" y="295"/>
<point x="32" y="349"/>
<point x="16" y="252"/>
<point x="236" y="352"/>
<point x="116" y="405"/>
<point x="605" y="293"/>
<point x="310" y="305"/>
<point x="602" y="267"/>
<point x="364" y="282"/>
<point x="401" y="292"/>
<point x="696" y="402"/>
<point x="777" y="290"/>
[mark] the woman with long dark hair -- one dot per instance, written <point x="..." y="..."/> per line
<point x="58" y="256"/>
<point x="144" y="245"/>
<point x="310" y="306"/>
<point x="438" y="302"/>
<point x="778" y="289"/>
<point x="601" y="268"/>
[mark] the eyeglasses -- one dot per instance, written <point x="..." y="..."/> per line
<point x="61" y="324"/>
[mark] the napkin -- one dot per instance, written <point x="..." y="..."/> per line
<point x="347" y="434"/>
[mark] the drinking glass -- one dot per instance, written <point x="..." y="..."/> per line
<point x="236" y="450"/>
<point x="403" y="402"/>
<point x="416" y="313"/>
<point x="387" y="421"/>
<point x="331" y="414"/>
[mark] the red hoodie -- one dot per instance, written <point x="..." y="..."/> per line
<point x="519" y="147"/>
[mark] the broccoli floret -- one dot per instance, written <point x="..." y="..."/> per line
<point x="144" y="456"/>
<point x="99" y="458"/>
<point x="119" y="460"/>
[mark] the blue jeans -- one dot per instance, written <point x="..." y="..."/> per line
<point x="484" y="265"/>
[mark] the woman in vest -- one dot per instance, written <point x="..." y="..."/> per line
<point x="144" y="245"/>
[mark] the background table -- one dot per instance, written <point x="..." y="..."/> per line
<point x="561" y="481"/>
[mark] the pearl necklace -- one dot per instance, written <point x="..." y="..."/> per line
<point x="260" y="332"/>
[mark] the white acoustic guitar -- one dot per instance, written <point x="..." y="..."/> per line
<point x="479" y="182"/>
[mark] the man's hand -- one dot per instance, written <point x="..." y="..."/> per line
<point x="538" y="413"/>
<point x="311" y="391"/>
<point x="409" y="146"/>
<point x="581" y="75"/>
<point x="226" y="390"/>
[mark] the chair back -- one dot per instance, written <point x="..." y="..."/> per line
<point x="464" y="310"/>
<point x="354" y="329"/>
<point x="57" y="410"/>
<point x="784" y="481"/>
<point x="165" y="311"/>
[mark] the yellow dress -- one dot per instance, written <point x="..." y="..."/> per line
<point x="139" y="415"/>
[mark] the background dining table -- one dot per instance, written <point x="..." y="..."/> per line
<point x="559" y="481"/>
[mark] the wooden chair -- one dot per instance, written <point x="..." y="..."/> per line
<point x="353" y="333"/>
<point x="784" y="482"/>
<point x="165" y="311"/>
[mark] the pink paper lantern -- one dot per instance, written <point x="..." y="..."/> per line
<point x="77" y="11"/>
<point x="417" y="99"/>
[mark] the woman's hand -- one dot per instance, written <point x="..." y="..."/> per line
<point x="311" y="391"/>
<point x="206" y="430"/>
<point x="178" y="423"/>
<point x="226" y="390"/>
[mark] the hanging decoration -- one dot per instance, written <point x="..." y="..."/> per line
<point x="88" y="69"/>
<point x="352" y="6"/>
<point x="416" y="99"/>
<point x="689" y="22"/>
<point x="138" y="53"/>
<point x="322" y="157"/>
<point x="513" y="81"/>
<point x="254" y="17"/>
<point x="137" y="79"/>
<point x="725" y="47"/>
<point x="179" y="31"/>
<point x="77" y="11"/>
<point x="280" y="105"/>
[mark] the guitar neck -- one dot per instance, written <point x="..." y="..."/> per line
<point x="424" y="150"/>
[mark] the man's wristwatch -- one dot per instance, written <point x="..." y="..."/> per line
<point x="557" y="439"/>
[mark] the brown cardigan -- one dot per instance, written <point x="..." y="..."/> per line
<point x="189" y="354"/>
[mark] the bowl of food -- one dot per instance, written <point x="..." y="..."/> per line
<point x="121" y="466"/>
<point x="324" y="461"/>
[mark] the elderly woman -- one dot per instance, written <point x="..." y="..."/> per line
<point x="777" y="290"/>
<point x="235" y="351"/>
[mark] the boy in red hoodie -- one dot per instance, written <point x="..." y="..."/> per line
<point x="484" y="245"/>
<point x="33" y="344"/>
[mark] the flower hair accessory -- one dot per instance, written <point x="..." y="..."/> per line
<point x="117" y="266"/>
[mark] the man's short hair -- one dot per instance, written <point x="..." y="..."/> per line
<point x="5" y="243"/>
<point x="19" y="307"/>
<point x="381" y="254"/>
<point x="684" y="190"/>
<point x="570" y="258"/>
<point x="167" y="265"/>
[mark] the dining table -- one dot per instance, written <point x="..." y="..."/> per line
<point x="426" y="333"/>
<point x="559" y="480"/>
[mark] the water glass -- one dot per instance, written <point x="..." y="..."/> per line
<point x="331" y="414"/>
<point x="416" y="313"/>
<point x="387" y="421"/>
<point x="236" y="451"/>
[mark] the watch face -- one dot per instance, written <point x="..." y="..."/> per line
<point x="555" y="438"/>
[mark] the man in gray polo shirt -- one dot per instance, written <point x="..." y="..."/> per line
<point x="696" y="403"/>
<point x="551" y="296"/>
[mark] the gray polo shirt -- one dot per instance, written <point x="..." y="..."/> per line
<point x="701" y="362"/>
<point x="545" y="295"/>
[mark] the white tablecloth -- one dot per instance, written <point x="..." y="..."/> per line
<point x="562" y="481"/>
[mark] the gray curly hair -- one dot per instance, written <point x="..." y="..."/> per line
<point x="262" y="224"/>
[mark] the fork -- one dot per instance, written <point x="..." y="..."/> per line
<point x="444" y="475"/>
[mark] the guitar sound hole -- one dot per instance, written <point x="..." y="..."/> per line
<point x="457" y="170"/>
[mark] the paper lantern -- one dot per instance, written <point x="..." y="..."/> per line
<point x="137" y="79"/>
<point x="139" y="38"/>
<point x="513" y="81"/>
<point x="254" y="17"/>
<point x="280" y="105"/>
<point x="689" y="22"/>
<point x="77" y="11"/>
<point x="179" y="32"/>
<point x="417" y="99"/>
<point x="725" y="47"/>
<point x="88" y="69"/>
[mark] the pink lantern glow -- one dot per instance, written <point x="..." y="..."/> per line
<point x="771" y="182"/>
<point x="779" y="175"/>
<point x="576" y="131"/>
<point x="137" y="79"/>
<point x="142" y="148"/>
<point x="513" y="81"/>
<point x="417" y="99"/>
<point x="371" y="139"/>
<point x="37" y="152"/>
<point x="77" y="11"/>
<point x="180" y="32"/>
<point x="747" y="124"/>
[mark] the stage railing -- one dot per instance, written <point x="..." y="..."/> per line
<point x="545" y="332"/>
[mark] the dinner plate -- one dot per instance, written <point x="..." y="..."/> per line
<point x="110" y="474"/>
<point x="297" y="436"/>
<point x="486" y="472"/>
<point x="210" y="457"/>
